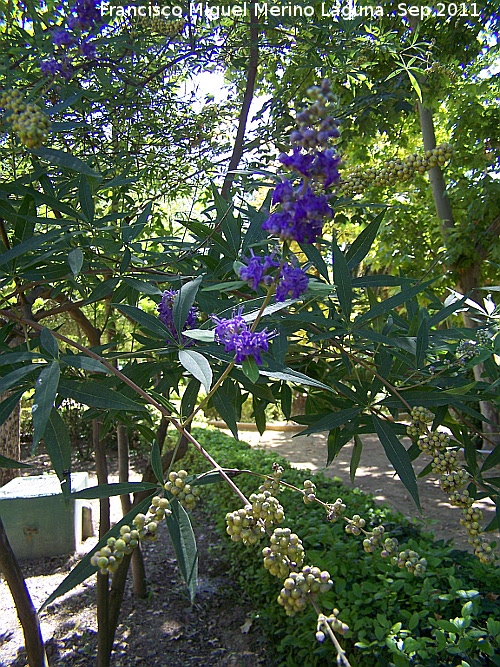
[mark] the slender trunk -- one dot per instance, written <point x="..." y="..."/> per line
<point x="468" y="277"/>
<point x="10" y="441"/>
<point x="247" y="101"/>
<point x="26" y="612"/>
<point x="104" y="644"/>
<point x="137" y="561"/>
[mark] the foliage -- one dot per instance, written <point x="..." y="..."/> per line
<point x="395" y="619"/>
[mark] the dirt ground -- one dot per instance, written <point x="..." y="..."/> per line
<point x="164" y="629"/>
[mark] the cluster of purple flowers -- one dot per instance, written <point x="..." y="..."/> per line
<point x="165" y="314"/>
<point x="303" y="210"/>
<point x="291" y="281"/>
<point x="236" y="337"/>
<point x="302" y="216"/>
<point x="84" y="18"/>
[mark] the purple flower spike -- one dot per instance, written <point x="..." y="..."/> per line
<point x="62" y="38"/>
<point x="49" y="67"/>
<point x="299" y="161"/>
<point x="293" y="282"/>
<point x="253" y="273"/>
<point x="165" y="314"/>
<point x="87" y="49"/>
<point x="236" y="337"/>
<point x="325" y="167"/>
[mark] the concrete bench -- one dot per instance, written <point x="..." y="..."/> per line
<point x="38" y="521"/>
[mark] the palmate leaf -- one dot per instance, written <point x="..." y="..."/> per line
<point x="85" y="569"/>
<point x="392" y="302"/>
<point x="361" y="246"/>
<point x="156" y="464"/>
<point x="223" y="402"/>
<point x="398" y="456"/>
<point x="184" y="542"/>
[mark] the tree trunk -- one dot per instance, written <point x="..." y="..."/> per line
<point x="468" y="277"/>
<point x="10" y="441"/>
<point x="26" y="612"/>
<point x="137" y="561"/>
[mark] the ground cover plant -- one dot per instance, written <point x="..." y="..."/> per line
<point x="147" y="322"/>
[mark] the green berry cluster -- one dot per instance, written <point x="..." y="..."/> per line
<point x="28" y="121"/>
<point x="372" y="542"/>
<point x="284" y="553"/>
<point x="355" y="525"/>
<point x="309" y="492"/>
<point x="299" y="587"/>
<point x="335" y="510"/>
<point x="391" y="546"/>
<point x="186" y="494"/>
<point x="412" y="562"/>
<point x="243" y="526"/>
<point x="157" y="25"/>
<point x="333" y="621"/>
<point x="466" y="350"/>
<point x="267" y="507"/>
<point x="272" y="482"/>
<point x="483" y="337"/>
<point x="452" y="479"/>
<point x="361" y="178"/>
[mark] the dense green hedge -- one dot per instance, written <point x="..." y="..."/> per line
<point x="448" y="617"/>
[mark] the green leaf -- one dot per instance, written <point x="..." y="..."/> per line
<point x="202" y="335"/>
<point x="8" y="405"/>
<point x="156" y="464"/>
<point x="331" y="421"/>
<point x="250" y="369"/>
<point x="102" y="290"/>
<point x="398" y="456"/>
<point x="86" y="200"/>
<point x="491" y="460"/>
<point x="183" y="302"/>
<point x="286" y="400"/>
<point x="84" y="569"/>
<point x="280" y="372"/>
<point x="75" y="261"/>
<point x="196" y="364"/>
<point x="392" y="302"/>
<point x="142" y="286"/>
<point x="342" y="279"/>
<point x="84" y="362"/>
<point x="97" y="396"/>
<point x="33" y="243"/>
<point x="115" y="489"/>
<point x="65" y="160"/>
<point x="414" y="84"/>
<point x="223" y="402"/>
<point x="24" y="225"/>
<point x="184" y="542"/>
<point x="145" y="320"/>
<point x="422" y="341"/>
<point x="130" y="232"/>
<point x="317" y="261"/>
<point x="10" y="463"/>
<point x="230" y="226"/>
<point x="189" y="397"/>
<point x="355" y="457"/>
<point x="43" y="400"/>
<point x="361" y="246"/>
<point x="49" y="342"/>
<point x="9" y="380"/>
<point x="57" y="443"/>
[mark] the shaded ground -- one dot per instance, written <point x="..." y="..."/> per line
<point x="165" y="630"/>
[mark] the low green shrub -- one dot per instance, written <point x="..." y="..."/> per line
<point x="448" y="617"/>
